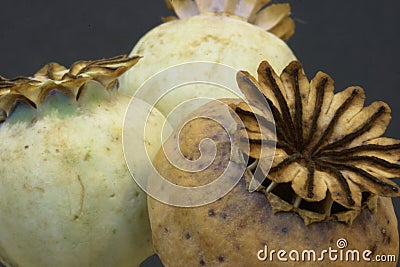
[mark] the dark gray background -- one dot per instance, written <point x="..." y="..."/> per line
<point x="355" y="41"/>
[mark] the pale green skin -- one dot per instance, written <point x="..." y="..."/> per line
<point x="67" y="197"/>
<point x="219" y="39"/>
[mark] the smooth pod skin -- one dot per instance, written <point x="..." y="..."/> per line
<point x="220" y="39"/>
<point x="232" y="230"/>
<point x="67" y="197"/>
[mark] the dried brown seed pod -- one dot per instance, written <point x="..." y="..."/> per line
<point x="328" y="181"/>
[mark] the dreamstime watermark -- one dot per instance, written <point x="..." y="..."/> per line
<point x="176" y="92"/>
<point x="340" y="253"/>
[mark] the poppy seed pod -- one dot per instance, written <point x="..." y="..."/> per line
<point x="223" y="32"/>
<point x="67" y="196"/>
<point x="326" y="187"/>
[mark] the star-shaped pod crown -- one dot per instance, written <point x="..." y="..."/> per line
<point x="272" y="18"/>
<point x="331" y="159"/>
<point x="34" y="90"/>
